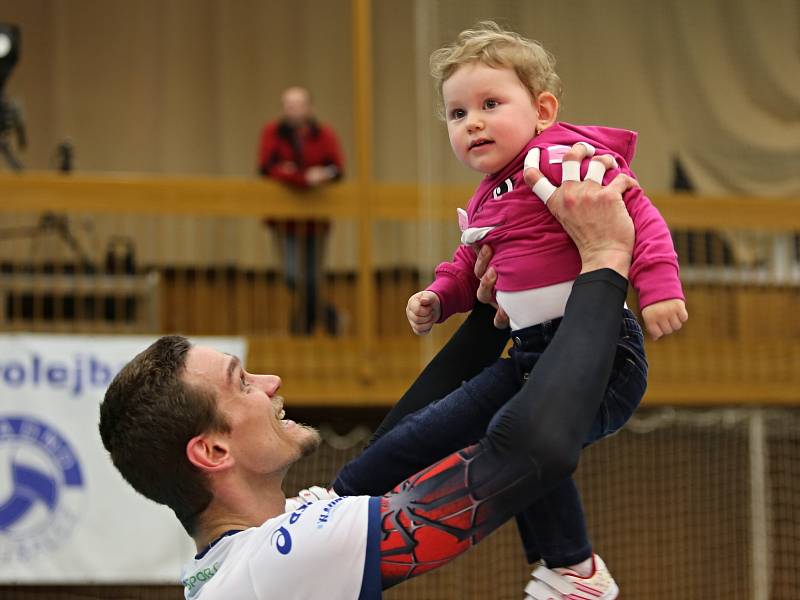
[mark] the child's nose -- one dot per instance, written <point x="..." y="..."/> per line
<point x="475" y="124"/>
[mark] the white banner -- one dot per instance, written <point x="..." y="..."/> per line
<point x="66" y="515"/>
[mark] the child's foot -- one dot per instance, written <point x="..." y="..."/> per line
<point x="563" y="584"/>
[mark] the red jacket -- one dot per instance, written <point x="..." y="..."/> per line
<point x="285" y="152"/>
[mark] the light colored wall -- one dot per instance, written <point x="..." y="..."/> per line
<point x="183" y="86"/>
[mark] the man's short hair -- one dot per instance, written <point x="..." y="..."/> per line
<point x="487" y="43"/>
<point x="148" y="416"/>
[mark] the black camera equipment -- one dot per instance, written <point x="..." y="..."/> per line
<point x="58" y="224"/>
<point x="10" y="116"/>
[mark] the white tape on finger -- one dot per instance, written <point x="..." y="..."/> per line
<point x="570" y="171"/>
<point x="590" y="150"/>
<point x="596" y="171"/>
<point x="531" y="159"/>
<point x="544" y="189"/>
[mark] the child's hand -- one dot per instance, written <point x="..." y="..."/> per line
<point x="662" y="318"/>
<point x="309" y="495"/>
<point x="423" y="310"/>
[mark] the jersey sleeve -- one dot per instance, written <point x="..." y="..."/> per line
<point x="323" y="546"/>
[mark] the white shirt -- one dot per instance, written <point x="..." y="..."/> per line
<point x="317" y="551"/>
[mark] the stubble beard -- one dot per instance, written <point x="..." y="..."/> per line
<point x="310" y="442"/>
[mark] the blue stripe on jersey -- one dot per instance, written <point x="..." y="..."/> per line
<point x="371" y="588"/>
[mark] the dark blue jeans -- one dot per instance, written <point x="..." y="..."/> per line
<point x="553" y="527"/>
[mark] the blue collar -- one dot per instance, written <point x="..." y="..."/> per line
<point x="205" y="550"/>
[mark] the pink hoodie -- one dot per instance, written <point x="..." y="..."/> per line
<point x="531" y="249"/>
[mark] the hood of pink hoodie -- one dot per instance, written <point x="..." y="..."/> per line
<point x="607" y="140"/>
<point x="621" y="142"/>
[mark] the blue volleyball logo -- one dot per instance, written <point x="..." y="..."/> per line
<point x="41" y="488"/>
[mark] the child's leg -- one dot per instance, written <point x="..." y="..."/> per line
<point x="431" y="433"/>
<point x="554" y="528"/>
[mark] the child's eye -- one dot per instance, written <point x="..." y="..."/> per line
<point x="457" y="113"/>
<point x="244" y="382"/>
<point x="491" y="104"/>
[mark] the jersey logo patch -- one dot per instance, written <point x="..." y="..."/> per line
<point x="281" y="540"/>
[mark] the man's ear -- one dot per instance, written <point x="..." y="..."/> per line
<point x="209" y="452"/>
<point x="547" y="109"/>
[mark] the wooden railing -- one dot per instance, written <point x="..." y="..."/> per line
<point x="741" y="345"/>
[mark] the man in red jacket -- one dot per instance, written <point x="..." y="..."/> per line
<point x="301" y="152"/>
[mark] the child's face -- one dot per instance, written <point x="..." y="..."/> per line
<point x="490" y="116"/>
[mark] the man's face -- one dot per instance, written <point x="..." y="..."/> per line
<point x="260" y="439"/>
<point x="490" y="116"/>
<point x="296" y="105"/>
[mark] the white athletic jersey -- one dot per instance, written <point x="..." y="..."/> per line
<point x="327" y="549"/>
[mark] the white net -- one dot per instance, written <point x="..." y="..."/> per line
<point x="682" y="503"/>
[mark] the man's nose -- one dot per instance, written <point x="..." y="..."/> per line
<point x="269" y="383"/>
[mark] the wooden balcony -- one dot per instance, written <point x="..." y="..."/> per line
<point x="194" y="240"/>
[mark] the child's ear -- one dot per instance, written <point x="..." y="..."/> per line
<point x="547" y="108"/>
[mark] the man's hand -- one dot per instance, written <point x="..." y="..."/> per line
<point x="488" y="277"/>
<point x="423" y="310"/>
<point x="662" y="318"/>
<point x="595" y="217"/>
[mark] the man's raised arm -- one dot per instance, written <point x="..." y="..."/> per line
<point x="442" y="511"/>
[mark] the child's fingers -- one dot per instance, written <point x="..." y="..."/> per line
<point x="654" y="329"/>
<point x="418" y="314"/>
<point x="675" y="322"/>
<point x="425" y="298"/>
<point x="421" y="329"/>
<point x="683" y="314"/>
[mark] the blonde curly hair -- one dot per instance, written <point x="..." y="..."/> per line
<point x="489" y="44"/>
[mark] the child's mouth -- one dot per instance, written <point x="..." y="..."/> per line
<point x="478" y="143"/>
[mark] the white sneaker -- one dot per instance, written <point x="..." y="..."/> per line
<point x="563" y="584"/>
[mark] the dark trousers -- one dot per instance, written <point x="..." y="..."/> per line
<point x="301" y="263"/>
<point x="553" y="527"/>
